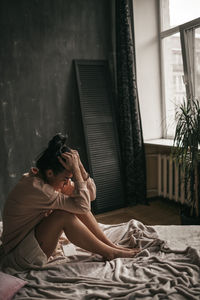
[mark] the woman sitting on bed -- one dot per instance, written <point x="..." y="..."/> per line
<point x="50" y="199"/>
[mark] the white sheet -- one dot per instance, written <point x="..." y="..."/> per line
<point x="180" y="236"/>
<point x="162" y="270"/>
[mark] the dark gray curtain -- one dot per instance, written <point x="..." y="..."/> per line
<point x="130" y="128"/>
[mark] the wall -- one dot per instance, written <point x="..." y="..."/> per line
<point x="148" y="67"/>
<point x="38" y="94"/>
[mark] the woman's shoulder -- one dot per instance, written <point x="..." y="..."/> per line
<point x="30" y="189"/>
<point x="22" y="190"/>
<point x="38" y="184"/>
<point x="25" y="183"/>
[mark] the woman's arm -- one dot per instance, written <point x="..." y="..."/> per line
<point x="68" y="189"/>
<point x="91" y="188"/>
<point x="84" y="174"/>
<point x="78" y="200"/>
<point x="86" y="177"/>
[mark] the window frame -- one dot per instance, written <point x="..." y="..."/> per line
<point x="195" y="23"/>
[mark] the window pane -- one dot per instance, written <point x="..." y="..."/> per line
<point x="174" y="88"/>
<point x="176" y="12"/>
<point x="197" y="62"/>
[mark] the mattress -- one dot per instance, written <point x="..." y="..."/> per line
<point x="168" y="267"/>
<point x="180" y="236"/>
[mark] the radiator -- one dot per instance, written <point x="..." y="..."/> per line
<point x="170" y="179"/>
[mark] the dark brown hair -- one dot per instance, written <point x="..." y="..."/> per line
<point x="48" y="159"/>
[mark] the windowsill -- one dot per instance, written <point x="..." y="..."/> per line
<point x="160" y="142"/>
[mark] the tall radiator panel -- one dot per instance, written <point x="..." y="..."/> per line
<point x="170" y="180"/>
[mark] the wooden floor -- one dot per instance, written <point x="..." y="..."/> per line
<point x="158" y="212"/>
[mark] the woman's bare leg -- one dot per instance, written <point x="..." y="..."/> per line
<point x="48" y="231"/>
<point x="89" y="220"/>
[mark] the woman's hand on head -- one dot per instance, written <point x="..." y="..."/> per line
<point x="75" y="152"/>
<point x="71" y="163"/>
<point x="71" y="160"/>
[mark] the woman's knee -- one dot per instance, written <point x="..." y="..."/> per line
<point x="63" y="215"/>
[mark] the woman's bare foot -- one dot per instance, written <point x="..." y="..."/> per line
<point x="118" y="253"/>
<point x="136" y="250"/>
<point x="123" y="248"/>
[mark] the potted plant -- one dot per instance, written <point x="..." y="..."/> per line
<point x="185" y="151"/>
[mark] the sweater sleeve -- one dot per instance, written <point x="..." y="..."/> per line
<point x="91" y="188"/>
<point x="78" y="202"/>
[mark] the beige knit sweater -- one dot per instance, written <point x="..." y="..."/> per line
<point x="27" y="203"/>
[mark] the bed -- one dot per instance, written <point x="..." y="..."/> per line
<point x="168" y="267"/>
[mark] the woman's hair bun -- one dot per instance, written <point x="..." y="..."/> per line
<point x="48" y="159"/>
<point x="57" y="142"/>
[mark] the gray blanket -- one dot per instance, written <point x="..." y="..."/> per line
<point x="157" y="272"/>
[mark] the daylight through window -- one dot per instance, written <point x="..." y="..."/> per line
<point x="180" y="46"/>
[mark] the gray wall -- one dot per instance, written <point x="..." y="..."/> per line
<point x="38" y="94"/>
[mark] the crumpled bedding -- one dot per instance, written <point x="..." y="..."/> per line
<point x="157" y="272"/>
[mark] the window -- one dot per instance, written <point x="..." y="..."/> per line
<point x="177" y="12"/>
<point x="180" y="54"/>
<point x="197" y="62"/>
